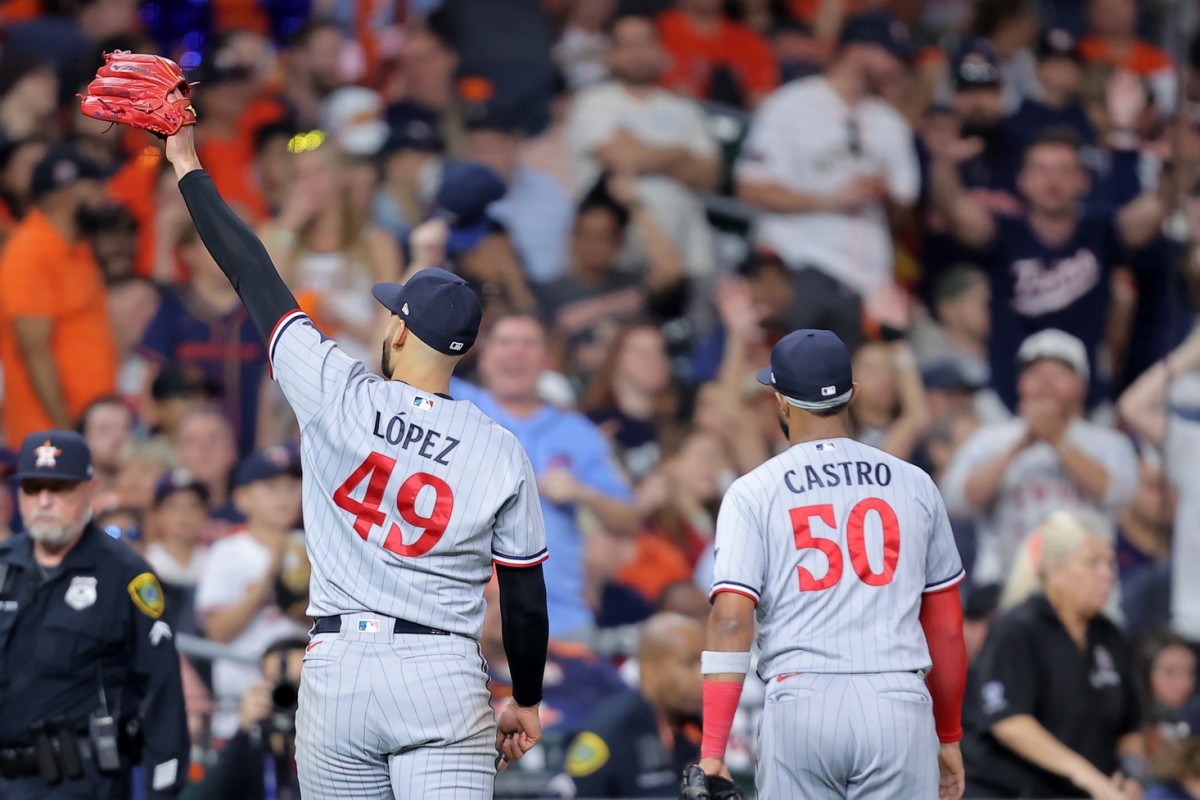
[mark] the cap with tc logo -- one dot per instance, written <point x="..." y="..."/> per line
<point x="439" y="308"/>
<point x="54" y="455"/>
<point x="811" y="369"/>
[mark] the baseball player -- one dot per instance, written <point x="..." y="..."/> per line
<point x="845" y="555"/>
<point x="409" y="498"/>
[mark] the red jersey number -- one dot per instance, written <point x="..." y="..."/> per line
<point x="376" y="470"/>
<point x="856" y="543"/>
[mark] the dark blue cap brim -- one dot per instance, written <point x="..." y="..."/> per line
<point x="48" y="475"/>
<point x="389" y="294"/>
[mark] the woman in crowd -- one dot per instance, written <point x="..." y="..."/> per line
<point x="325" y="248"/>
<point x="1054" y="711"/>
<point x="630" y="397"/>
<point x="889" y="411"/>
<point x="1166" y="675"/>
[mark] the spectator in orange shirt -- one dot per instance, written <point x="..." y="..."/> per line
<point x="715" y="58"/>
<point x="55" y="337"/>
<point x="1113" y="40"/>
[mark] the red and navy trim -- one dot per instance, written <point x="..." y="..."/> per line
<point x="949" y="583"/>
<point x="505" y="560"/>
<point x="284" y="322"/>
<point x="733" y="587"/>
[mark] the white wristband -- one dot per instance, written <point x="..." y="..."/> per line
<point x="716" y="662"/>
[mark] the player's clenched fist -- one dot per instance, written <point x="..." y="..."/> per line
<point x="953" y="777"/>
<point x="517" y="731"/>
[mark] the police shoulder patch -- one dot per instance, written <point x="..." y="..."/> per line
<point x="588" y="753"/>
<point x="147" y="595"/>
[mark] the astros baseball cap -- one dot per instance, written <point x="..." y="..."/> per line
<point x="811" y="369"/>
<point x="1058" y="346"/>
<point x="266" y="464"/>
<point x="439" y="308"/>
<point x="54" y="455"/>
<point x="1058" y="43"/>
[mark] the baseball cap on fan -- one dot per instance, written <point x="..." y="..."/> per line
<point x="354" y="118"/>
<point x="439" y="307"/>
<point x="976" y="66"/>
<point x="467" y="189"/>
<point x="1058" y="346"/>
<point x="882" y="29"/>
<point x="61" y="168"/>
<point x="811" y="369"/>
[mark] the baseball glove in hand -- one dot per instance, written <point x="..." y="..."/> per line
<point x="698" y="786"/>
<point x="132" y="89"/>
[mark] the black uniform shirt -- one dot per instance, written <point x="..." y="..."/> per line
<point x="1030" y="665"/>
<point x="94" y="620"/>
<point x="621" y="753"/>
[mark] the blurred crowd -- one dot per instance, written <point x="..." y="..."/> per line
<point x="995" y="203"/>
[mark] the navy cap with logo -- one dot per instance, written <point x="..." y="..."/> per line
<point x="976" y="66"/>
<point x="882" y="29"/>
<point x="439" y="307"/>
<point x="266" y="464"/>
<point x="62" y="167"/>
<point x="54" y="455"/>
<point x="1059" y="43"/>
<point x="811" y="369"/>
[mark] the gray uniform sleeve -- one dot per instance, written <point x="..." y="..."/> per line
<point x="310" y="368"/>
<point x="519" y="535"/>
<point x="740" y="564"/>
<point x="943" y="565"/>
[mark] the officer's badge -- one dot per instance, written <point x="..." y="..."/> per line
<point x="588" y="753"/>
<point x="147" y="595"/>
<point x="81" y="593"/>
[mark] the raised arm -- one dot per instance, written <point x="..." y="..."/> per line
<point x="1143" y="406"/>
<point x="970" y="222"/>
<point x="237" y="251"/>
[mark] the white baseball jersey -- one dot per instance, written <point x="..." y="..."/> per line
<point x="409" y="497"/>
<point x="836" y="542"/>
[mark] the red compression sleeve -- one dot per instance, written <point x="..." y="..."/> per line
<point x="720" y="704"/>
<point x="942" y="621"/>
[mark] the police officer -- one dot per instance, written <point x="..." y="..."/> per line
<point x="637" y="745"/>
<point x="89" y="676"/>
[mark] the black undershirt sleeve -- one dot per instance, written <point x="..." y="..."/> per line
<point x="238" y="252"/>
<point x="526" y="629"/>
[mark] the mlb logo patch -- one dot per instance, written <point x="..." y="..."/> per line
<point x="423" y="403"/>
<point x="368" y="626"/>
<point x="825" y="446"/>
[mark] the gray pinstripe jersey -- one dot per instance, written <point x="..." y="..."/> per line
<point x="408" y="497"/>
<point x="836" y="542"/>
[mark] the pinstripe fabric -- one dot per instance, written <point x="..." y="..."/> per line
<point x="848" y="737"/>
<point x="439" y="493"/>
<point x="385" y="716"/>
<point x="852" y="625"/>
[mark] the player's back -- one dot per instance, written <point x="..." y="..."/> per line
<point x="409" y="497"/>
<point x="836" y="541"/>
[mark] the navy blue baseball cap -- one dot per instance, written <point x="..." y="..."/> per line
<point x="882" y="29"/>
<point x="439" y="307"/>
<point x="179" y="480"/>
<point x="54" y="455"/>
<point x="811" y="369"/>
<point x="976" y="65"/>
<point x="467" y="189"/>
<point x="266" y="464"/>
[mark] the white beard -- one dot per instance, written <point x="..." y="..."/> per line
<point x="56" y="535"/>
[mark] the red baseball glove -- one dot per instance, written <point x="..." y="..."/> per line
<point x="132" y="89"/>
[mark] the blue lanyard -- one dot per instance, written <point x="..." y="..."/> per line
<point x="270" y="778"/>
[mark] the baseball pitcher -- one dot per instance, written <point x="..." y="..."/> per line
<point x="410" y="498"/>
